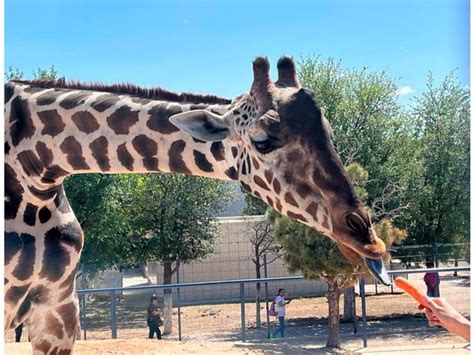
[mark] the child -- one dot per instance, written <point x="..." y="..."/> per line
<point x="153" y="319"/>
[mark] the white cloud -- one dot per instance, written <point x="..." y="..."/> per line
<point x="405" y="90"/>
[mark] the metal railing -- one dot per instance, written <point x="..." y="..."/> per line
<point x="242" y="283"/>
<point x="113" y="293"/>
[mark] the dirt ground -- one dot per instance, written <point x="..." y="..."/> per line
<point x="291" y="346"/>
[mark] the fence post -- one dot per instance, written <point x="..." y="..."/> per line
<point x="112" y="314"/>
<point x="179" y="302"/>
<point x="364" y="313"/>
<point x="242" y="309"/>
<point x="391" y="277"/>
<point x="84" y="298"/>
<point x="265" y="274"/>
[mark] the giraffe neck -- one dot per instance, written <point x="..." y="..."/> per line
<point x="66" y="132"/>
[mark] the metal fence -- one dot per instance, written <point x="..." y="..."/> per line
<point x="121" y="312"/>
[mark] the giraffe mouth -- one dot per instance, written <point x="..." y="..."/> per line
<point x="377" y="269"/>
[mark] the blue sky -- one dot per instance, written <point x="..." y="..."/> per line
<point x="207" y="46"/>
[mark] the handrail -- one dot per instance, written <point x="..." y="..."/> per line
<point x="268" y="279"/>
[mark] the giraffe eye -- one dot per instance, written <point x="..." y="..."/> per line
<point x="263" y="147"/>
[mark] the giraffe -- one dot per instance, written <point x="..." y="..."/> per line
<point x="274" y="140"/>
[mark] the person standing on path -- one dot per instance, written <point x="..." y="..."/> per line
<point x="280" y="308"/>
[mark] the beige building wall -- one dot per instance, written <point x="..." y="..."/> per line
<point x="233" y="261"/>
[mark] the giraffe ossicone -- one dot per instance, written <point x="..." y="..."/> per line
<point x="274" y="140"/>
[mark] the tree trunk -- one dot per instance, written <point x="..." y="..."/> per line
<point x="349" y="304"/>
<point x="332" y="296"/>
<point x="145" y="274"/>
<point x="167" y="300"/>
<point x="257" y="301"/>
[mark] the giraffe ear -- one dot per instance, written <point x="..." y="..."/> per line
<point x="202" y="124"/>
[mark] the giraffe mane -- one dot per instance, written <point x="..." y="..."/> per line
<point x="155" y="93"/>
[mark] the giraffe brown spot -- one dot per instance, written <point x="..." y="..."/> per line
<point x="232" y="173"/>
<point x="159" y="119"/>
<point x="268" y="176"/>
<point x="246" y="187"/>
<point x="21" y="124"/>
<point x="32" y="89"/>
<point x="44" y="214"/>
<point x="45" y="154"/>
<point x="53" y="123"/>
<point x="73" y="150"/>
<point x="13" y="193"/>
<point x="255" y="163"/>
<point x="12" y="246"/>
<point x="53" y="173"/>
<point x="249" y="166"/>
<point x="257" y="194"/>
<point x="217" y="150"/>
<point x="16" y="293"/>
<point x="48" y="97"/>
<point x="235" y="151"/>
<point x="56" y="256"/>
<point x="278" y="205"/>
<point x="244" y="167"/>
<point x="312" y="209"/>
<point x="104" y="102"/>
<point x="176" y="161"/>
<point x="122" y="120"/>
<point x="45" y="194"/>
<point x="73" y="100"/>
<point x="85" y="121"/>
<point x="29" y="216"/>
<point x="65" y="352"/>
<point x="296" y="216"/>
<point x="5" y="281"/>
<point x="23" y="310"/>
<point x="25" y="265"/>
<point x="61" y="202"/>
<point x="54" y="351"/>
<point x="125" y="157"/>
<point x="276" y="186"/>
<point x="6" y="148"/>
<point x="260" y="182"/>
<point x="42" y="346"/>
<point x="202" y="162"/>
<point x="30" y="163"/>
<point x="99" y="149"/>
<point x="148" y="149"/>
<point x="53" y="326"/>
<point x="270" y="201"/>
<point x="290" y="199"/>
<point x="141" y="101"/>
<point x="303" y="190"/>
<point x="68" y="313"/>
<point x="9" y="92"/>
<point x="39" y="294"/>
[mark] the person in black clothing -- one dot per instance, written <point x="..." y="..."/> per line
<point x="153" y="319"/>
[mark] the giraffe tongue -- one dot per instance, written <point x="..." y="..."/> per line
<point x="377" y="269"/>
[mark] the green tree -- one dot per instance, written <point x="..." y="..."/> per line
<point x="317" y="257"/>
<point x="14" y="73"/>
<point x="170" y="220"/>
<point x="440" y="205"/>
<point x="253" y="206"/>
<point x="369" y="126"/>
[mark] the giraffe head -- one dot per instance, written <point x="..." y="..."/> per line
<point x="280" y="150"/>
